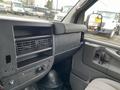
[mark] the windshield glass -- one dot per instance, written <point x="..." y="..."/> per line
<point x="17" y="4"/>
<point x="109" y="15"/>
<point x="36" y="9"/>
<point x="66" y="9"/>
<point x="107" y="28"/>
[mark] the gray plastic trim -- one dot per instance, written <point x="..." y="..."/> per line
<point x="65" y="28"/>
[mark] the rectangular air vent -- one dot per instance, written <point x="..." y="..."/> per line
<point x="33" y="44"/>
<point x="28" y="46"/>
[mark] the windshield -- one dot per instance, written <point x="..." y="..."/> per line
<point x="109" y="15"/>
<point x="107" y="28"/>
<point x="36" y="9"/>
<point x="66" y="9"/>
<point x="17" y="4"/>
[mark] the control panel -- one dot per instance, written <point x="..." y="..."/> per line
<point x="15" y="82"/>
<point x="26" y="53"/>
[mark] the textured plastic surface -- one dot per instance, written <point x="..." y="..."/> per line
<point x="64" y="28"/>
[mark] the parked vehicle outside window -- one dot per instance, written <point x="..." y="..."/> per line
<point x="36" y="9"/>
<point x="107" y="29"/>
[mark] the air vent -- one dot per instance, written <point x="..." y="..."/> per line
<point x="28" y="46"/>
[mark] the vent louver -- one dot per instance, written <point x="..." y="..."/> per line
<point x="27" y="46"/>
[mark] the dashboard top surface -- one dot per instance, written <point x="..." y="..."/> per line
<point x="22" y="19"/>
<point x="23" y="22"/>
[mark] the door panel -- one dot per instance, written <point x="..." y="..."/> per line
<point x="87" y="66"/>
<point x="103" y="59"/>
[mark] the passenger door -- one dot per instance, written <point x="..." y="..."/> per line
<point x="98" y="57"/>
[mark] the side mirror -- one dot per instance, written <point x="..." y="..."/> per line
<point x="94" y="21"/>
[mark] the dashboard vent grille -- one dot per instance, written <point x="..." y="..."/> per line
<point x="28" y="46"/>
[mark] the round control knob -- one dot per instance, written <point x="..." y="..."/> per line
<point x="38" y="70"/>
<point x="11" y="82"/>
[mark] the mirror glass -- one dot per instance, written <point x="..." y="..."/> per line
<point x="94" y="21"/>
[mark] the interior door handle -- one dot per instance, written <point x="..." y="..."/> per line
<point x="103" y="59"/>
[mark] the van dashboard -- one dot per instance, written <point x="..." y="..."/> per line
<point x="29" y="49"/>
